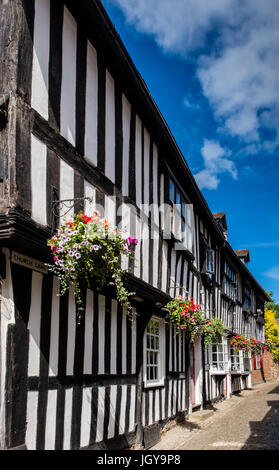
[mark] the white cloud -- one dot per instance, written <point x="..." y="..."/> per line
<point x="215" y="163"/>
<point x="273" y="273"/>
<point x="238" y="71"/>
<point x="177" y="25"/>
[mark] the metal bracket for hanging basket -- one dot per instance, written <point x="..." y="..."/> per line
<point x="61" y="207"/>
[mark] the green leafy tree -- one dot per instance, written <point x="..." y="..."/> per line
<point x="271" y="304"/>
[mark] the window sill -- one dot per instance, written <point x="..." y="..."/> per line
<point x="153" y="385"/>
<point x="216" y="372"/>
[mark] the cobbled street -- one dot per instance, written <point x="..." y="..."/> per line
<point x="248" y="421"/>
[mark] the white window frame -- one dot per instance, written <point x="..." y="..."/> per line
<point x="238" y="355"/>
<point x="245" y="358"/>
<point x="214" y="357"/>
<point x="160" y="352"/>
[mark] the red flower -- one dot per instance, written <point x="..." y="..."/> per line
<point x="85" y="218"/>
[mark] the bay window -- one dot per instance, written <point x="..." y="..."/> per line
<point x="181" y="217"/>
<point x="218" y="357"/>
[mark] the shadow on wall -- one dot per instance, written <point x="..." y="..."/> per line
<point x="265" y="434"/>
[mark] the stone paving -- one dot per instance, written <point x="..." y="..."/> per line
<point x="247" y="421"/>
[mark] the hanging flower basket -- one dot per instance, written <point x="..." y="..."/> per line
<point x="213" y="331"/>
<point x="86" y="253"/>
<point x="252" y="345"/>
<point x="186" y="316"/>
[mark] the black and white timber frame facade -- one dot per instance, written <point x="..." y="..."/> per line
<point x="77" y="122"/>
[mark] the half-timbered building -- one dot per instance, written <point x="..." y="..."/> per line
<point x="78" y="124"/>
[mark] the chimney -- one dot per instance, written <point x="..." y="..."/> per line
<point x="243" y="255"/>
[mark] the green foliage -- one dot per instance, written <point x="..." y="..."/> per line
<point x="272" y="332"/>
<point x="271" y="304"/>
<point x="213" y="331"/>
<point x="187" y="316"/>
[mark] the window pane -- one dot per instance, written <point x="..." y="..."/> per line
<point x="171" y="195"/>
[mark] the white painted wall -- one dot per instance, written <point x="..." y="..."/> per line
<point x="68" y="85"/>
<point x="91" y="107"/>
<point x="66" y="186"/>
<point x="38" y="180"/>
<point x="126" y="120"/>
<point x="110" y="128"/>
<point x="39" y="93"/>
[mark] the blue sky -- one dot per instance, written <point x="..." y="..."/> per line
<point x="212" y="68"/>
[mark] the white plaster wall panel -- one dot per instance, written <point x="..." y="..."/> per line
<point x="155" y="257"/>
<point x="110" y="210"/>
<point x="123" y="409"/>
<point x="31" y="420"/>
<point x="170" y="398"/>
<point x="91" y="107"/>
<point x="174" y="351"/>
<point x="143" y="410"/>
<point x="134" y="343"/>
<point x="132" y="408"/>
<point x="157" y="405"/>
<point x="40" y="66"/>
<point x="125" y="213"/>
<point x="54" y="328"/>
<point x="38" y="180"/>
<point x="138" y="235"/>
<point x="89" y="191"/>
<point x="34" y="324"/>
<point x="145" y="252"/>
<point x="66" y="186"/>
<point x="7" y="318"/>
<point x="85" y="417"/>
<point x="126" y="122"/>
<point x="71" y="332"/>
<point x="110" y="128"/>
<point x="163" y="391"/>
<point x="124" y="340"/>
<point x="185" y="272"/>
<point x="164" y="266"/>
<point x="88" y="333"/>
<point x="178" y="273"/>
<point x="68" y="85"/>
<point x="113" y="338"/>
<point x="150" y="407"/>
<point x="170" y="348"/>
<point x="112" y="417"/>
<point x="146" y="184"/>
<point x="101" y="334"/>
<point x="172" y="273"/>
<point x="68" y="419"/>
<point x="101" y="414"/>
<point x="138" y="160"/>
<point x="50" y="420"/>
<point x="155" y="184"/>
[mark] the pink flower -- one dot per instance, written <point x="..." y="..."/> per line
<point x="182" y="327"/>
<point x="192" y="319"/>
<point x="55" y="258"/>
<point x="188" y="314"/>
